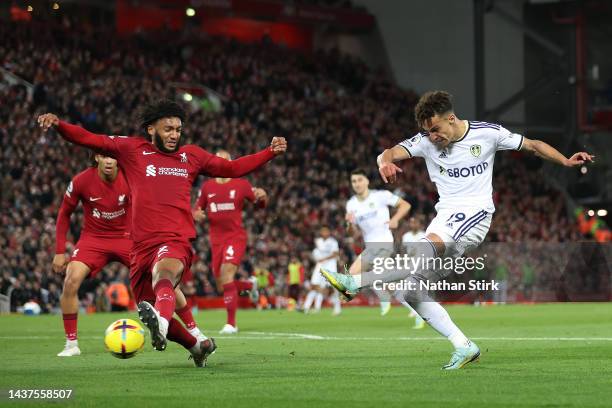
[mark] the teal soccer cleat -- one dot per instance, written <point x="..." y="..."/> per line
<point x="345" y="284"/>
<point x="463" y="356"/>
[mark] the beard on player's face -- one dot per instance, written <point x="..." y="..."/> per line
<point x="159" y="143"/>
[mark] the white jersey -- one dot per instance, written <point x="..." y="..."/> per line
<point x="411" y="237"/>
<point x="323" y="249"/>
<point x="463" y="171"/>
<point x="372" y="215"/>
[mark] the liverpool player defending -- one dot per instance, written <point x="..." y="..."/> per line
<point x="105" y="195"/>
<point x="160" y="173"/>
<point x="222" y="199"/>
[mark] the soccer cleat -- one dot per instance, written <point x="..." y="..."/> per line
<point x="345" y="284"/>
<point x="463" y="356"/>
<point x="254" y="292"/>
<point x="150" y="317"/>
<point x="419" y="323"/>
<point x="70" y="350"/>
<point x="228" y="329"/>
<point x="207" y="347"/>
<point x="385" y="307"/>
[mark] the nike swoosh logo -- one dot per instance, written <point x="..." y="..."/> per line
<point x="147" y="153"/>
<point x="95" y="199"/>
<point x="212" y="195"/>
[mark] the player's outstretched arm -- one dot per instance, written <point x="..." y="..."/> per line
<point x="386" y="167"/>
<point x="78" y="135"/>
<point x="219" y="167"/>
<point x="547" y="152"/>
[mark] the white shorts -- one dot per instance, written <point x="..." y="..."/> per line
<point x="461" y="229"/>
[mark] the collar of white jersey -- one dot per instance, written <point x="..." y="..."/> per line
<point x="467" y="130"/>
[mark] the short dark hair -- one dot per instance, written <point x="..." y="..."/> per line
<point x="162" y="108"/>
<point x="359" y="172"/>
<point x="431" y="104"/>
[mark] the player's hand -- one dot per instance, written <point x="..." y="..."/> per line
<point x="198" y="214"/>
<point x="278" y="145"/>
<point x="388" y="172"/>
<point x="260" y="194"/>
<point x="47" y="120"/>
<point x="59" y="263"/>
<point x="350" y="217"/>
<point x="393" y="224"/>
<point x="579" y="158"/>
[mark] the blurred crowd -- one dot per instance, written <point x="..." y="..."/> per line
<point x="336" y="113"/>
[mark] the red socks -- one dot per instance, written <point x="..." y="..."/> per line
<point x="179" y="334"/>
<point x="186" y="317"/>
<point x="165" y="299"/>
<point x="242" y="286"/>
<point x="70" y="325"/>
<point x="230" y="298"/>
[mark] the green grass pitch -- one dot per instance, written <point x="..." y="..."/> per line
<point x="556" y="355"/>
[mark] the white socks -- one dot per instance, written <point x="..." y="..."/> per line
<point x="195" y="332"/>
<point x="163" y="326"/>
<point x="335" y="299"/>
<point x="438" y="318"/>
<point x="424" y="249"/>
<point x="309" y="299"/>
<point x="318" y="302"/>
<point x="72" y="343"/>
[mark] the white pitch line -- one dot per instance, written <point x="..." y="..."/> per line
<point x="305" y="336"/>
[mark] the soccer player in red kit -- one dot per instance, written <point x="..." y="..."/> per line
<point x="223" y="199"/>
<point x="105" y="195"/>
<point x="160" y="173"/>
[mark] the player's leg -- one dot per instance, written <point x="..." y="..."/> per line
<point x="168" y="262"/>
<point x="230" y="296"/>
<point x="76" y="272"/>
<point x="321" y="292"/>
<point x="141" y="280"/>
<point x="334" y="297"/>
<point x="419" y="323"/>
<point x="310" y="297"/>
<point x="183" y="311"/>
<point x="449" y="241"/>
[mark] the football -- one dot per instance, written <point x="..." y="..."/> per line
<point x="124" y="338"/>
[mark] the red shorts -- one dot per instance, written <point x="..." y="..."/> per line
<point x="229" y="251"/>
<point x="146" y="255"/>
<point x="97" y="252"/>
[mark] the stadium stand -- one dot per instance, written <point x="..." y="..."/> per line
<point x="335" y="112"/>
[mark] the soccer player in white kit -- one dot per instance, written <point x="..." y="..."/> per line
<point x="459" y="155"/>
<point x="369" y="211"/>
<point x="325" y="254"/>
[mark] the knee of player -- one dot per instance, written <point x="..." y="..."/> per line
<point x="71" y="283"/>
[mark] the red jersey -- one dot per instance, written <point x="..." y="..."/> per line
<point x="106" y="207"/>
<point x="223" y="203"/>
<point x="161" y="182"/>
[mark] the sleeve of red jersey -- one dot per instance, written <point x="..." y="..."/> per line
<point x="113" y="146"/>
<point x="247" y="190"/>
<point x="202" y="198"/>
<point x="69" y="203"/>
<point x="215" y="166"/>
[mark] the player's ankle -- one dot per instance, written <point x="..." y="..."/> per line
<point x="163" y="326"/>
